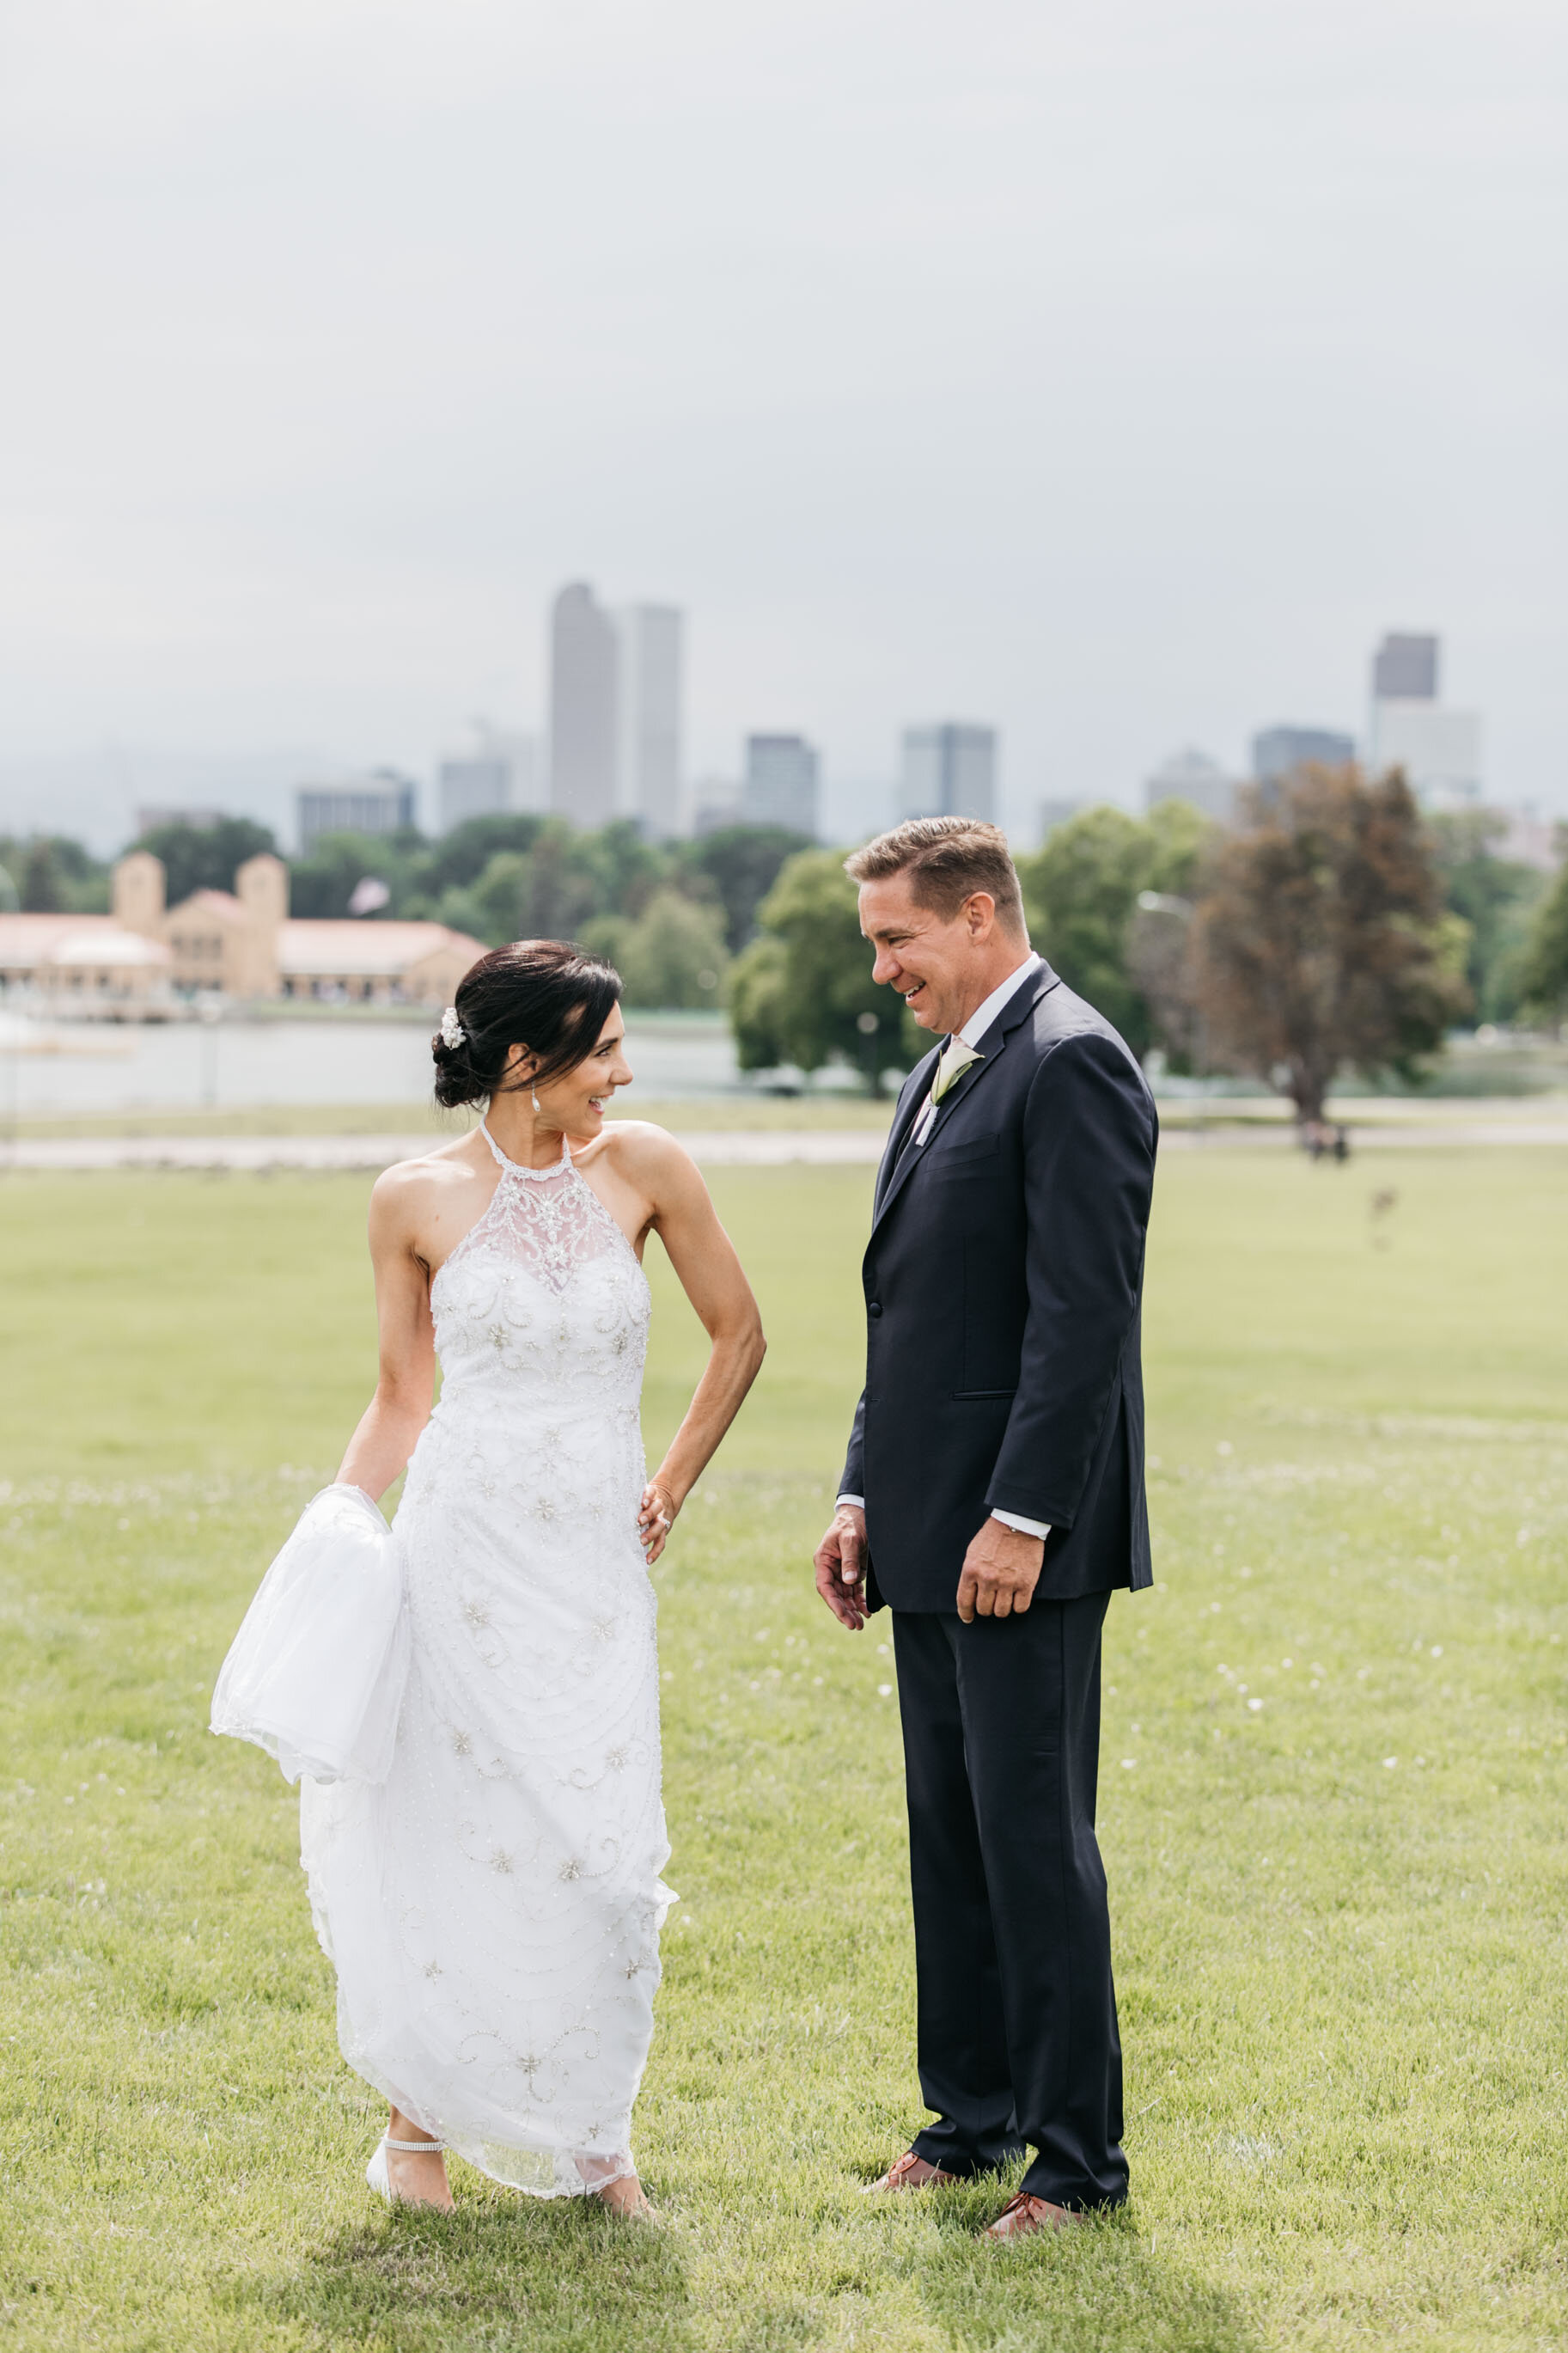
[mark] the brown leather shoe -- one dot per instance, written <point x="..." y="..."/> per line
<point x="1025" y="2214"/>
<point x="908" y="2172"/>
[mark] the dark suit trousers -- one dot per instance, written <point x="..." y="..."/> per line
<point x="1017" y="2038"/>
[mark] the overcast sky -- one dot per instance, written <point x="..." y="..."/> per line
<point x="1115" y="372"/>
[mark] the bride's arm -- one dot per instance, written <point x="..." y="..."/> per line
<point x="390" y="1427"/>
<point x="710" y="1275"/>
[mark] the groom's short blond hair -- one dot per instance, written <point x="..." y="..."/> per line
<point x="947" y="859"/>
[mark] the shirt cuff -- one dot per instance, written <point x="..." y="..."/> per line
<point x="858" y="1501"/>
<point x="1040" y="1528"/>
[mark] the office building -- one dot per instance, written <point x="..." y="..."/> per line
<point x="1194" y="777"/>
<point x="584" y="708"/>
<point x="781" y="783"/>
<point x="948" y="769"/>
<point x="501" y="775"/>
<point x="715" y="804"/>
<point x="382" y="802"/>
<point x="1280" y="750"/>
<point x="648" y="711"/>
<point x="1404" y="668"/>
<point x="1439" y="749"/>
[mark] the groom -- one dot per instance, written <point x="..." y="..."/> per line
<point x="993" y="1498"/>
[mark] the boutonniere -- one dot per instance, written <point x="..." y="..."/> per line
<point x="952" y="1063"/>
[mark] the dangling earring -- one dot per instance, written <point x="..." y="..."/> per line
<point x="533" y="1099"/>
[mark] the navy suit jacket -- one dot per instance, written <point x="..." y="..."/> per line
<point x="1004" y="1282"/>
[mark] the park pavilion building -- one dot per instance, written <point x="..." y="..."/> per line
<point x="137" y="962"/>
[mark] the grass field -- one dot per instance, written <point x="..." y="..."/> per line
<point x="1335" y="1759"/>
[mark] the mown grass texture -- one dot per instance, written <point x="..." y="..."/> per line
<point x="1331" y="1811"/>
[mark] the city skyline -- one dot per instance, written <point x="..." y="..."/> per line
<point x="629" y="699"/>
<point x="1158" y="479"/>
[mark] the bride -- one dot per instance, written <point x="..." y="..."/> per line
<point x="493" y="1909"/>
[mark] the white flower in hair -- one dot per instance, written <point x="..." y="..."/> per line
<point x="453" y="1033"/>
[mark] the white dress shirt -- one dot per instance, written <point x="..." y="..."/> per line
<point x="971" y="1034"/>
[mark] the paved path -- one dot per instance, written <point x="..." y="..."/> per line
<point x="740" y="1148"/>
<point x="722" y="1148"/>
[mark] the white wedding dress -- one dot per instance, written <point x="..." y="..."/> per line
<point x="493" y="1909"/>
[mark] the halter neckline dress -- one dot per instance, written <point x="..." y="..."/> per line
<point x="493" y="1910"/>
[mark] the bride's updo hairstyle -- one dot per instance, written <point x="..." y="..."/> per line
<point x="542" y="994"/>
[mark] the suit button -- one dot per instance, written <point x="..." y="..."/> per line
<point x="874" y="1307"/>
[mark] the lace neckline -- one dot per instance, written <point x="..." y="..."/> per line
<point x="506" y="1164"/>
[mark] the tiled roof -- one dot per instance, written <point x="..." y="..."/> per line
<point x="32" y="940"/>
<point x="26" y="939"/>
<point x="111" y="946"/>
<point x="370" y="950"/>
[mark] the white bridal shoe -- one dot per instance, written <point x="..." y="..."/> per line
<point x="376" y="2173"/>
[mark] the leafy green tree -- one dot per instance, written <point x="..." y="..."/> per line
<point x="673" y="954"/>
<point x="460" y="857"/>
<point x="324" y="883"/>
<point x="1497" y="897"/>
<point x="740" y="863"/>
<point x="1543" y="976"/>
<point x="758" y="992"/>
<point x="1081" y="892"/>
<point x="53" y="868"/>
<point x="206" y="857"/>
<point x="1321" y="938"/>
<point x="802" y="993"/>
<point x="624" y="868"/>
<point x="43" y="885"/>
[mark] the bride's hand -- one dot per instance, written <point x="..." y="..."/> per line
<point x="656" y="1517"/>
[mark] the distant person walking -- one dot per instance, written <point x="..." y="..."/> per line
<point x="993" y="1498"/>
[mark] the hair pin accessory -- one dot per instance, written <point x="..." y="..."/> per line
<point x="453" y="1033"/>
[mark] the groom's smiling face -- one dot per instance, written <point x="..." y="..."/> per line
<point x="942" y="966"/>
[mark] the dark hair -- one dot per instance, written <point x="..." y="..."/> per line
<point x="947" y="859"/>
<point x="545" y="994"/>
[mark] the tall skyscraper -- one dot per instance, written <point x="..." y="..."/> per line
<point x="780" y="786"/>
<point x="585" y="707"/>
<point x="948" y="770"/>
<point x="649" y="772"/>
<point x="502" y="773"/>
<point x="382" y="802"/>
<point x="1438" y="749"/>
<point x="1404" y="668"/>
<point x="1280" y="750"/>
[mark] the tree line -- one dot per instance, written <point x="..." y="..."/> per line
<point x="1339" y="926"/>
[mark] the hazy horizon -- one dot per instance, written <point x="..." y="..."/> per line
<point x="1112" y="378"/>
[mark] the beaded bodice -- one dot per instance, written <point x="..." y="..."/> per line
<point x="542" y="1301"/>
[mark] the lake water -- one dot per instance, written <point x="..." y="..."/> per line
<point x="177" y="1066"/>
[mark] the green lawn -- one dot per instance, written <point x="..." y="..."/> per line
<point x="1340" y="1914"/>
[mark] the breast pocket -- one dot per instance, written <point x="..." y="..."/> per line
<point x="975" y="1156"/>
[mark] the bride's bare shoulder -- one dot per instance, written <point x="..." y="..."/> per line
<point x="655" y="1165"/>
<point x="409" y="1189"/>
<point x="640" y="1149"/>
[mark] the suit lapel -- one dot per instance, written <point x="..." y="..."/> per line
<point x="993" y="1046"/>
<point x="916" y="1090"/>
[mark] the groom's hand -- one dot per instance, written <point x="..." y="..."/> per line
<point x="1001" y="1570"/>
<point x="840" y="1563"/>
